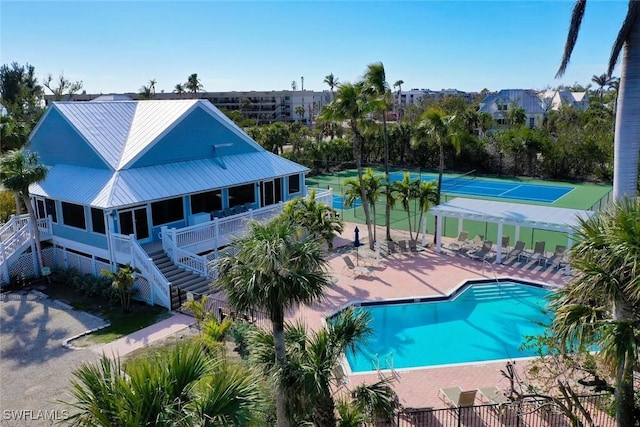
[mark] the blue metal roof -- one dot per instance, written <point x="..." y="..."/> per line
<point x="105" y="189"/>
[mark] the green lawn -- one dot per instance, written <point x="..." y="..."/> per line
<point x="140" y="315"/>
<point x="583" y="196"/>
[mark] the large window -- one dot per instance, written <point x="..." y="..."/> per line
<point x="97" y="220"/>
<point x="241" y="194"/>
<point x="294" y="184"/>
<point x="46" y="207"/>
<point x="167" y="211"/>
<point x="73" y="215"/>
<point x="206" y="202"/>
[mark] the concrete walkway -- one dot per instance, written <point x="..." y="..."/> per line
<point x="146" y="336"/>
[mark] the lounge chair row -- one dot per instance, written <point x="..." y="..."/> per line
<point x="403" y="246"/>
<point x="455" y="397"/>
<point x="479" y="248"/>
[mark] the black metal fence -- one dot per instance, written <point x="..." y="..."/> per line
<point x="525" y="413"/>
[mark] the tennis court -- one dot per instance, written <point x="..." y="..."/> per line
<point x="338" y="203"/>
<point x="469" y="185"/>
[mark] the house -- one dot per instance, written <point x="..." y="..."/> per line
<point x="555" y="99"/>
<point x="131" y="181"/>
<point x="499" y="104"/>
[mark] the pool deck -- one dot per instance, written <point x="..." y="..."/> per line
<point x="426" y="273"/>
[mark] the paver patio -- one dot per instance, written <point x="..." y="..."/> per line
<point x="426" y="273"/>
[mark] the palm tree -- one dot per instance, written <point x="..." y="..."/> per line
<point x="299" y="110"/>
<point x="603" y="80"/>
<point x="311" y="375"/>
<point x="436" y="124"/>
<point x="350" y="104"/>
<point x="123" y="281"/>
<point x="398" y="84"/>
<point x="180" y="89"/>
<point x="272" y="271"/>
<point x="375" y="79"/>
<point x="193" y="84"/>
<point x="145" y="92"/>
<point x="627" y="129"/>
<point x="152" y="86"/>
<point x="332" y="82"/>
<point x="404" y="191"/>
<point x="181" y="386"/>
<point x="372" y="185"/>
<point x="427" y="194"/>
<point x="17" y="172"/>
<point x="318" y="219"/>
<point x="599" y="305"/>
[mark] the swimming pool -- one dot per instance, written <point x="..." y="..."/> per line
<point x="482" y="321"/>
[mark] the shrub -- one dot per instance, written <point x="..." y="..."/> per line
<point x="7" y="206"/>
<point x="239" y="332"/>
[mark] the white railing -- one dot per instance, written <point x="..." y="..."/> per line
<point x="159" y="284"/>
<point x="181" y="245"/>
<point x="17" y="233"/>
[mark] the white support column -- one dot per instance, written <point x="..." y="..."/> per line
<point x="499" y="244"/>
<point x="567" y="267"/>
<point x="438" y="233"/>
<point x="517" y="236"/>
<point x="459" y="225"/>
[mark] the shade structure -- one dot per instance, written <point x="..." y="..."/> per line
<point x="502" y="213"/>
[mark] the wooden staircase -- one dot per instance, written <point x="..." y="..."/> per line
<point x="179" y="277"/>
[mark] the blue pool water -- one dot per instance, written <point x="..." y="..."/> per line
<point x="484" y="322"/>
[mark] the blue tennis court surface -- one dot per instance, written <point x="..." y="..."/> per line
<point x="338" y="203"/>
<point x="487" y="188"/>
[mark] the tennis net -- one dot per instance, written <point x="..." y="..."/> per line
<point x="450" y="184"/>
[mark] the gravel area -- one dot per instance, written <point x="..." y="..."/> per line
<point x="35" y="370"/>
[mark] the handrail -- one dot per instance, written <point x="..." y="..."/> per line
<point x="141" y="261"/>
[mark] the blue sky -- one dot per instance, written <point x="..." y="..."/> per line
<point x="241" y="45"/>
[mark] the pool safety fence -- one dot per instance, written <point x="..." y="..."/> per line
<point x="603" y="202"/>
<point x="528" y="412"/>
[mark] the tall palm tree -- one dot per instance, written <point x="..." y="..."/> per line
<point x="351" y="104"/>
<point x="405" y="191"/>
<point x="152" y="86"/>
<point x="179" y="89"/>
<point x="332" y="82"/>
<point x="181" y="386"/>
<point x="311" y="376"/>
<point x="145" y="92"/>
<point x="627" y="129"/>
<point x="435" y="124"/>
<point x="193" y="84"/>
<point x="272" y="271"/>
<point x="427" y="194"/>
<point x="320" y="220"/>
<point x="603" y="81"/>
<point x="398" y="84"/>
<point x="376" y="80"/>
<point x="373" y="186"/>
<point x="17" y="172"/>
<point x="599" y="305"/>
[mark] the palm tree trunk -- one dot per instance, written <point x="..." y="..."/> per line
<point x="281" y="359"/>
<point x="624" y="393"/>
<point x="324" y="412"/>
<point x="16" y="197"/>
<point x="387" y="210"/>
<point x="363" y="194"/>
<point x="36" y="231"/>
<point x="627" y="130"/>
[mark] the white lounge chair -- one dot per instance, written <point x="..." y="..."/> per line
<point x="484" y="251"/>
<point x="558" y="257"/>
<point x="538" y="252"/>
<point x="355" y="269"/>
<point x="455" y="397"/>
<point x="518" y="250"/>
<point x="463" y="237"/>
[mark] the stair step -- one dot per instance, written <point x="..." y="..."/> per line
<point x="175" y="276"/>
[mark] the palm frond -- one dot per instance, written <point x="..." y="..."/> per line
<point x="630" y="20"/>
<point x="572" y="36"/>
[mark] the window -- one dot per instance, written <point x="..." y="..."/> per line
<point x="46" y="207"/>
<point x="294" y="184"/>
<point x="206" y="202"/>
<point x="167" y="211"/>
<point x="97" y="220"/>
<point x="532" y="122"/>
<point x="73" y="215"/>
<point x="241" y="194"/>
